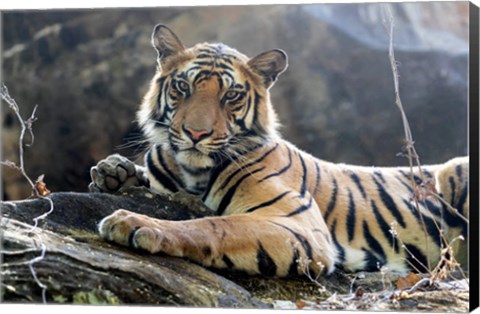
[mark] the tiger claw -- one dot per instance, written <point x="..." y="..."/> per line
<point x="131" y="229"/>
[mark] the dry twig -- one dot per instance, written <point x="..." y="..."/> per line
<point x="39" y="188"/>
<point x="426" y="188"/>
<point x="409" y="143"/>
<point x="26" y="125"/>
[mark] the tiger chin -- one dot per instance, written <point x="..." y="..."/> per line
<point x="213" y="133"/>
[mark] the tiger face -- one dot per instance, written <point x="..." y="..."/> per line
<point x="202" y="102"/>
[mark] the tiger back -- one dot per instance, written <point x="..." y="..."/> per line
<point x="213" y="133"/>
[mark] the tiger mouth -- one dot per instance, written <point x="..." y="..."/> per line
<point x="196" y="150"/>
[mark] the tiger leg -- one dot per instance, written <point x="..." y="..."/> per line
<point x="268" y="245"/>
<point x="452" y="185"/>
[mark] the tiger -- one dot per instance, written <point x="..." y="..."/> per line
<point x="279" y="211"/>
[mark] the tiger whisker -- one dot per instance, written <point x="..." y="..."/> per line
<point x="167" y="125"/>
<point x="132" y="143"/>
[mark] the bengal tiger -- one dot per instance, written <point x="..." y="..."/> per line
<point x="279" y="211"/>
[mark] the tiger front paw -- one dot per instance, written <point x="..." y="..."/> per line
<point x="138" y="231"/>
<point x="116" y="173"/>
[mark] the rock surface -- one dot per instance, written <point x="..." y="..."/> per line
<point x="88" y="69"/>
<point x="71" y="268"/>
<point x="78" y="267"/>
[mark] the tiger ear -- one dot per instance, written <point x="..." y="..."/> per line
<point x="165" y="41"/>
<point x="269" y="65"/>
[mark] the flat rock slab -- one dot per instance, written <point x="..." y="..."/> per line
<point x="83" y="211"/>
<point x="79" y="267"/>
<point x="71" y="268"/>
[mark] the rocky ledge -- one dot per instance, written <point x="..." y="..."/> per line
<point x="71" y="264"/>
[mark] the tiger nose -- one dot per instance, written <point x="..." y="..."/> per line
<point x="196" y="135"/>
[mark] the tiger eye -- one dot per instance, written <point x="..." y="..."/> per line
<point x="231" y="95"/>
<point x="182" y="86"/>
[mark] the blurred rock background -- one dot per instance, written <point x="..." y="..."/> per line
<point x="88" y="70"/>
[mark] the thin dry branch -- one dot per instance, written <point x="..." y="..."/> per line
<point x="38" y="187"/>
<point x="409" y="143"/>
<point x="426" y="188"/>
<point x="25" y="125"/>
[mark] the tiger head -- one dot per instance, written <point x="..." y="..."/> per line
<point x="209" y="101"/>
